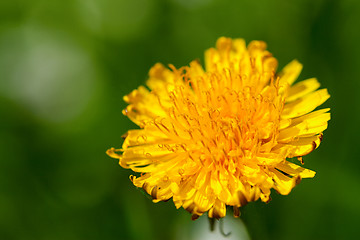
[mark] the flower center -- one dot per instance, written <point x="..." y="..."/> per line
<point x="224" y="119"/>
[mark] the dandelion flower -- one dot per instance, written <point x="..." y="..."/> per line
<point x="222" y="136"/>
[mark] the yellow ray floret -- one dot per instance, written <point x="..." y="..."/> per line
<point x="221" y="136"/>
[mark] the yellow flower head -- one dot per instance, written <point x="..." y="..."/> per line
<point x="220" y="136"/>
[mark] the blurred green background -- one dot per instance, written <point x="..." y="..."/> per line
<point x="65" y="65"/>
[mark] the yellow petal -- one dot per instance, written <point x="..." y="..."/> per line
<point x="302" y="88"/>
<point x="269" y="158"/>
<point x="317" y="117"/>
<point x="290" y="73"/>
<point x="305" y="104"/>
<point x="252" y="193"/>
<point x="294" y="170"/>
<point x="283" y="184"/>
<point x="303" y="146"/>
<point x="138" y="109"/>
<point x="140" y="137"/>
<point x="160" y="78"/>
<point x="239" y="45"/>
<point x="284" y="123"/>
<point x="218" y="210"/>
<point x="306" y="128"/>
<point x="202" y="202"/>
